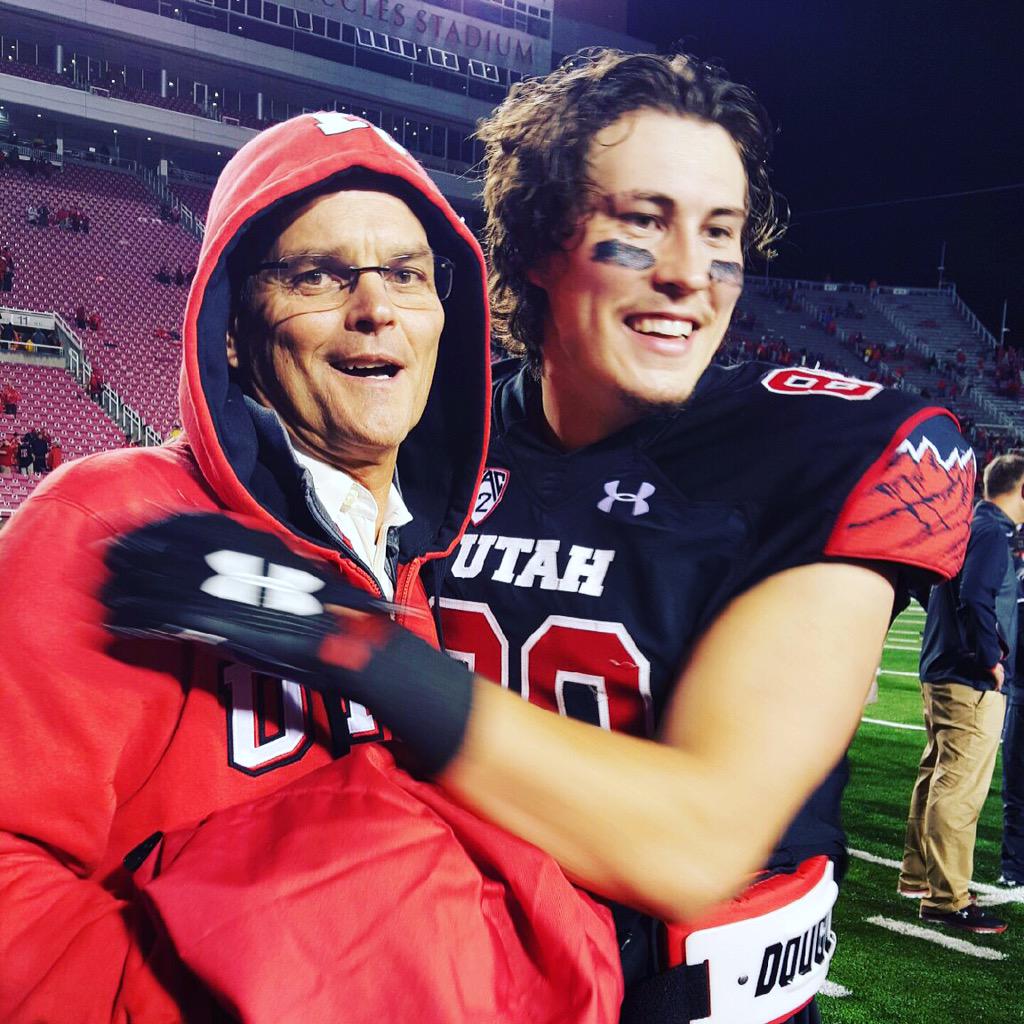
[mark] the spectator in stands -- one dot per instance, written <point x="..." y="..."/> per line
<point x="970" y="636"/>
<point x="84" y="222"/>
<point x="8" y="453"/>
<point x="163" y="274"/>
<point x="32" y="213"/>
<point x="4" y="274"/>
<point x="81" y="317"/>
<point x="179" y="276"/>
<point x="26" y="462"/>
<point x="10" y="397"/>
<point x="95" y="384"/>
<point x="40" y="447"/>
<point x="40" y="338"/>
<point x="55" y="457"/>
<point x="44" y="215"/>
<point x="7" y="283"/>
<point x="95" y="321"/>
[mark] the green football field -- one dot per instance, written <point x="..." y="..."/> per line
<point x="889" y="967"/>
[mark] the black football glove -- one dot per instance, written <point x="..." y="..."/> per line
<point x="208" y="578"/>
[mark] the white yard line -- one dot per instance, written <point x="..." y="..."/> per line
<point x="873" y="858"/>
<point x="835" y="990"/>
<point x="901" y="647"/>
<point x="892" y="672"/>
<point x="989" y="895"/>
<point x="893" y="725"/>
<point x="939" y="938"/>
<point x="916" y="633"/>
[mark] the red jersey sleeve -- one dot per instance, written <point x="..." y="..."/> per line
<point x="913" y="505"/>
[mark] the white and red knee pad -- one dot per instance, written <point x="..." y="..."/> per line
<point x="766" y="953"/>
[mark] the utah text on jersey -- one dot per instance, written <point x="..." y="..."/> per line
<point x="525" y="562"/>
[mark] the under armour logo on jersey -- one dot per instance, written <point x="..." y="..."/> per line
<point x="251" y="579"/>
<point x="640" y="505"/>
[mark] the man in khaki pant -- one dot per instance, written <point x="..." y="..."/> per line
<point x="969" y="635"/>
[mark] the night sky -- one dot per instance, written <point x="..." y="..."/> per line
<point x="876" y="101"/>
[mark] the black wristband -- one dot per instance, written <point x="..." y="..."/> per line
<point x="422" y="695"/>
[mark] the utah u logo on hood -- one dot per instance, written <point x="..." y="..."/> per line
<point x="331" y="122"/>
<point x="492" y="490"/>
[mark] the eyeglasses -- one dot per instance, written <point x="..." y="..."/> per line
<point x="416" y="281"/>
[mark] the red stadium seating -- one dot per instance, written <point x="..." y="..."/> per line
<point x="109" y="271"/>
<point x="53" y="402"/>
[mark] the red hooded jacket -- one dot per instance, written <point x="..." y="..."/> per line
<point x="353" y="893"/>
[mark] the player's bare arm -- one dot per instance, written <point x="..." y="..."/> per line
<point x="764" y="708"/>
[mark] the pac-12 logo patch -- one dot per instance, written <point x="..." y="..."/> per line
<point x="492" y="490"/>
<point x="798" y="380"/>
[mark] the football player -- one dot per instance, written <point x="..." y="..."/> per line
<point x="694" y="566"/>
<point x="666" y="548"/>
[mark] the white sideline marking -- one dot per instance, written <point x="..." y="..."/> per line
<point x="901" y="647"/>
<point x="904" y="632"/>
<point x="892" y="672"/>
<point x="834" y="989"/>
<point x="939" y="938"/>
<point x="989" y="895"/>
<point x="873" y="858"/>
<point x="894" y="725"/>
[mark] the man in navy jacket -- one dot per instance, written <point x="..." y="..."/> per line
<point x="1012" y="859"/>
<point x="970" y="637"/>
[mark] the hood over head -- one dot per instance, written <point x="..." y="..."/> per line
<point x="240" y="446"/>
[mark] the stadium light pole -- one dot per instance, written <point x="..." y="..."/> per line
<point x="1003" y="329"/>
<point x="942" y="263"/>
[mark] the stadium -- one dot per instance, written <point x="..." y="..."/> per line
<point x="116" y="117"/>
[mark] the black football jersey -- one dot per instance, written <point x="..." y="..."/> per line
<point x="586" y="576"/>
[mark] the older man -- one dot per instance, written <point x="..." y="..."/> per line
<point x="334" y="396"/>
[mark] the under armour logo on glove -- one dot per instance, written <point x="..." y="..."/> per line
<point x="250" y="579"/>
<point x="259" y="607"/>
<point x="639" y="500"/>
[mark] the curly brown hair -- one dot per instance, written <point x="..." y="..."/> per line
<point x="537" y="186"/>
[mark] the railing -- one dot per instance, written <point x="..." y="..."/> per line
<point x="976" y="325"/>
<point x="159" y="187"/>
<point x="947" y="291"/>
<point x="80" y="370"/>
<point x="33" y="153"/>
<point x="978" y="397"/>
<point x="799" y="284"/>
<point x="191" y="177"/>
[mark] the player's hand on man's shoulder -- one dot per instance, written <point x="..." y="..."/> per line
<point x="215" y="579"/>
